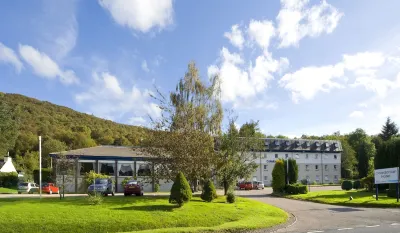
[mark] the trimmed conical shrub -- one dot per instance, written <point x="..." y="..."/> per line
<point x="180" y="191"/>
<point x="278" y="177"/>
<point x="209" y="193"/>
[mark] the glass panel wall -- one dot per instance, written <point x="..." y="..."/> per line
<point x="107" y="167"/>
<point x="125" y="168"/>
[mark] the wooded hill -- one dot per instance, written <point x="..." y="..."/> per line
<point x="62" y="128"/>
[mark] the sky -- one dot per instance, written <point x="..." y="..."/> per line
<point x="297" y="66"/>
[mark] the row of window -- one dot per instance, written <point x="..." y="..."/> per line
<point x="317" y="178"/>
<point x="122" y="169"/>
<point x="335" y="167"/>
<point x="316" y="156"/>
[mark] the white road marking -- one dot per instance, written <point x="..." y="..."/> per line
<point x="314" y="231"/>
<point x="342" y="229"/>
<point x="395" y="224"/>
<point x="373" y="226"/>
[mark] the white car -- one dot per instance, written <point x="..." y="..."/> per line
<point x="258" y="185"/>
<point x="28" y="187"/>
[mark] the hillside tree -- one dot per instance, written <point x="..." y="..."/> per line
<point x="365" y="153"/>
<point x="8" y="128"/>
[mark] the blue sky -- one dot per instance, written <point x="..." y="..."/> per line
<point x="297" y="66"/>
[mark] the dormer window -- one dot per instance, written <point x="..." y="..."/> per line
<point x="307" y="144"/>
<point x="287" y="143"/>
<point x="317" y="144"/>
<point x="276" y="143"/>
<point x="297" y="143"/>
<point x="335" y="145"/>
<point x="267" y="142"/>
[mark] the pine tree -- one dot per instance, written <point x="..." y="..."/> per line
<point x="180" y="190"/>
<point x="278" y="176"/>
<point x="209" y="192"/>
<point x="389" y="129"/>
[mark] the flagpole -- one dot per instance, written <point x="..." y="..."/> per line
<point x="40" y="166"/>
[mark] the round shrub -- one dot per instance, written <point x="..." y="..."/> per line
<point x="230" y="197"/>
<point x="357" y="184"/>
<point x="347" y="185"/>
<point x="180" y="191"/>
<point x="304" y="182"/>
<point x="209" y="193"/>
<point x="296" y="189"/>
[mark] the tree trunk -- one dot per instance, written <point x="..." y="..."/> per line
<point x="226" y="187"/>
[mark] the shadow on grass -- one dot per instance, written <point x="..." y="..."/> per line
<point x="149" y="208"/>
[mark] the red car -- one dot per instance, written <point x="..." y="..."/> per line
<point x="50" y="188"/>
<point x="246" y="186"/>
<point x="133" y="187"/>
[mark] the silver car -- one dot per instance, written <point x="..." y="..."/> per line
<point x="28" y="187"/>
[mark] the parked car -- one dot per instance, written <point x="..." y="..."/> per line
<point x="258" y="185"/>
<point x="133" y="187"/>
<point x="50" y="188"/>
<point x="28" y="187"/>
<point x="246" y="185"/>
<point x="102" y="185"/>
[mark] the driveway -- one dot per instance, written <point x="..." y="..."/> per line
<point x="314" y="217"/>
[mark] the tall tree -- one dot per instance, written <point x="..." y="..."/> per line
<point x="365" y="152"/>
<point x="234" y="159"/>
<point x="356" y="137"/>
<point x="389" y="130"/>
<point x="182" y="138"/>
<point x="8" y="128"/>
<point x="348" y="160"/>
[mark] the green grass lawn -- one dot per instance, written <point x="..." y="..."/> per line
<point x="8" y="190"/>
<point x="134" y="214"/>
<point x="341" y="197"/>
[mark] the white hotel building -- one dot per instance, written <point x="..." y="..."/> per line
<point x="318" y="160"/>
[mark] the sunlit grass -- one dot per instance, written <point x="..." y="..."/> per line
<point x="341" y="197"/>
<point x="134" y="214"/>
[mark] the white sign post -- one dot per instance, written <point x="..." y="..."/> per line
<point x="387" y="176"/>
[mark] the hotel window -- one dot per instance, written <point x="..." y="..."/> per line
<point x="317" y="178"/>
<point x="316" y="156"/>
<point x="265" y="177"/>
<point x="276" y="156"/>
<point x="286" y="156"/>
<point x="306" y="156"/>
<point x="326" y="178"/>
<point x="307" y="168"/>
<point x="144" y="170"/>
<point x="335" y="156"/>
<point x="336" y="178"/>
<point x="86" y="167"/>
<point x="335" y="167"/>
<point x="308" y="178"/>
<point x="265" y="167"/>
<point x="316" y="167"/>
<point x="107" y="168"/>
<point x="326" y="167"/>
<point x="125" y="169"/>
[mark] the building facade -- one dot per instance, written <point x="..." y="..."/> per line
<point x="317" y="160"/>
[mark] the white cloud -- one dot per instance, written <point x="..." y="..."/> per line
<point x="8" y="55"/>
<point x="365" y="60"/>
<point x="144" y="66"/>
<point x="140" y="15"/>
<point x="140" y="121"/>
<point x="356" y="114"/>
<point x="235" y="36"/>
<point x="308" y="81"/>
<point x="296" y="20"/>
<point x="363" y="105"/>
<point x="261" y="32"/>
<point x="241" y="82"/>
<point x="107" y="97"/>
<point x="44" y="66"/>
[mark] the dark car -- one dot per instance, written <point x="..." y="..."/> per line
<point x="102" y="185"/>
<point x="133" y="187"/>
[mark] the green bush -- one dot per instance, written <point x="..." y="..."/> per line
<point x="314" y="182"/>
<point x="47" y="175"/>
<point x="91" y="176"/>
<point x="230" y="197"/>
<point x="347" y="185"/>
<point x="293" y="171"/>
<point x="8" y="179"/>
<point x="180" y="191"/>
<point x="278" y="176"/>
<point x="368" y="183"/>
<point x="357" y="184"/>
<point x="209" y="193"/>
<point x="95" y="199"/>
<point x="296" y="189"/>
<point x="156" y="188"/>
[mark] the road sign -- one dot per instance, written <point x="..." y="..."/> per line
<point x="387" y="175"/>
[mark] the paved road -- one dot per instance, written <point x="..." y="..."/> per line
<point x="318" y="218"/>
